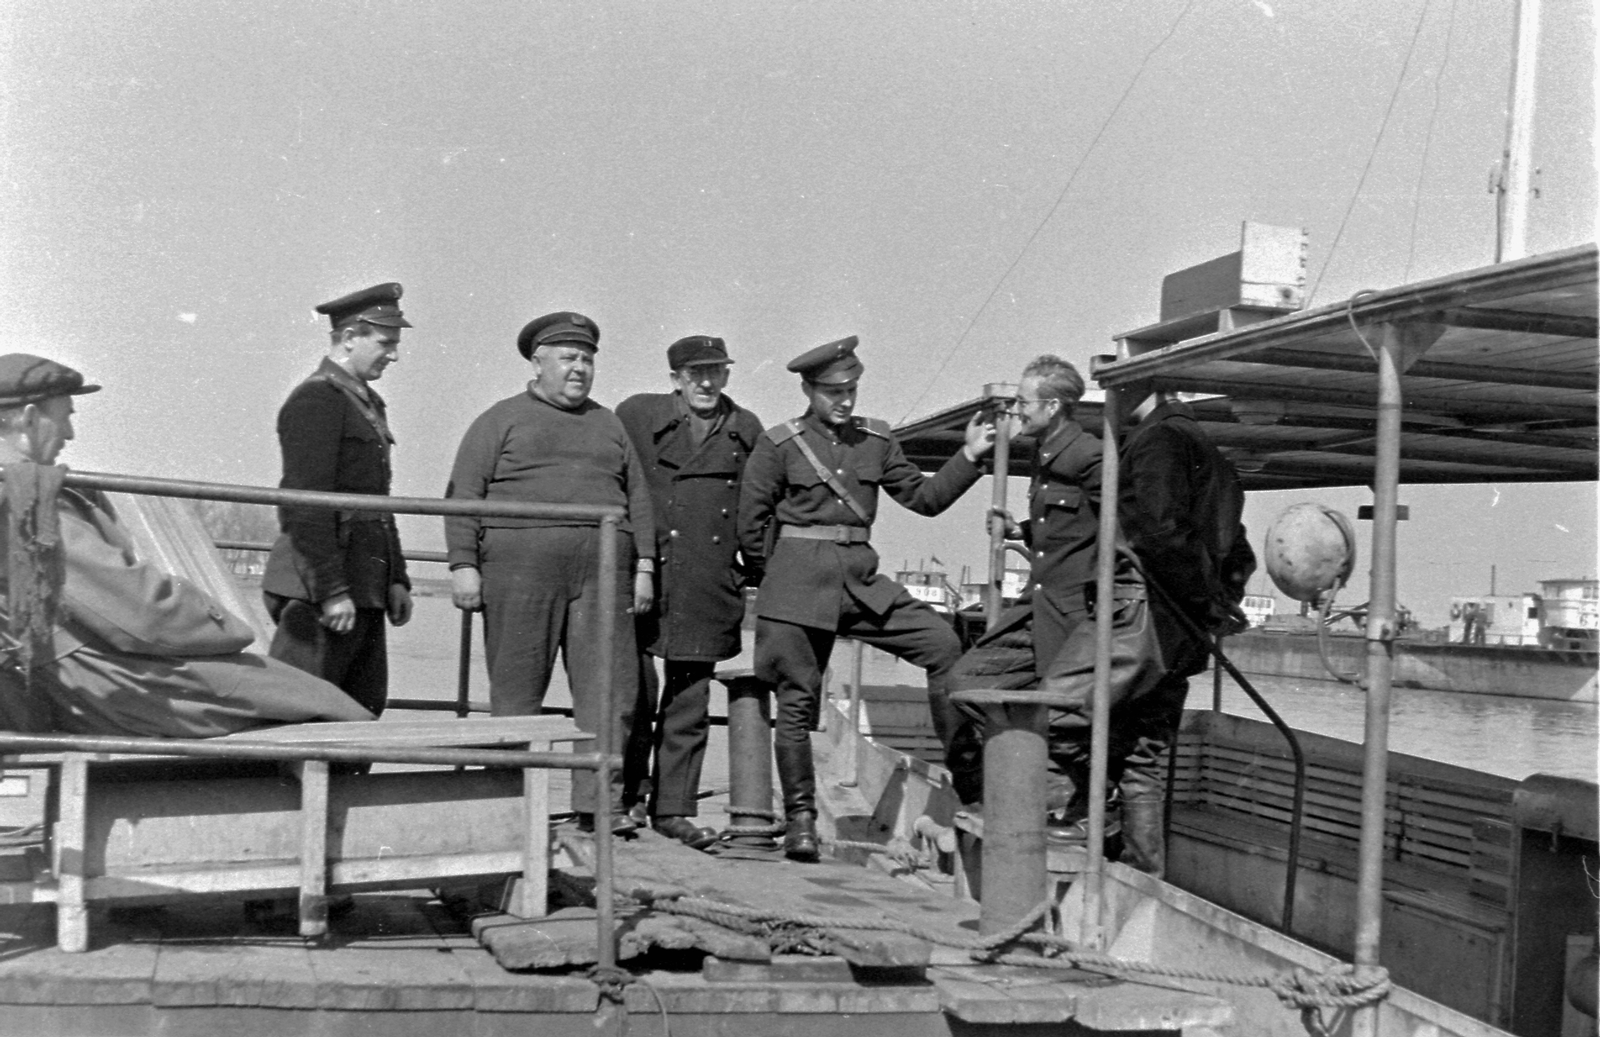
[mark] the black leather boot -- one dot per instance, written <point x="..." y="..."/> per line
<point x="800" y="844"/>
<point x="797" y="775"/>
<point x="1144" y="842"/>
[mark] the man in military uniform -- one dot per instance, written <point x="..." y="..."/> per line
<point x="693" y="443"/>
<point x="333" y="576"/>
<point x="132" y="650"/>
<point x="1060" y="535"/>
<point x="811" y="491"/>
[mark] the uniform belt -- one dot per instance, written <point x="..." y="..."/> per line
<point x="837" y="534"/>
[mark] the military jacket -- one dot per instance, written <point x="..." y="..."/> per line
<point x="811" y="582"/>
<point x="1064" y="516"/>
<point x="331" y="440"/>
<point x="695" y="493"/>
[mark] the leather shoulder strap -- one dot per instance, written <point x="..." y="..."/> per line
<point x="827" y="475"/>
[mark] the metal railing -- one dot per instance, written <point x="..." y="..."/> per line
<point x="603" y="761"/>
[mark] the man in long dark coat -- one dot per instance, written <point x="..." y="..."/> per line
<point x="334" y="576"/>
<point x="812" y="487"/>
<point x="693" y="443"/>
<point x="1179" y="507"/>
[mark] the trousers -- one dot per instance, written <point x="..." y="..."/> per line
<point x="541" y="596"/>
<point x="357" y="661"/>
<point x="792" y="657"/>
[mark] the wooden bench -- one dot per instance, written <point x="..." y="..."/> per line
<point x="147" y="829"/>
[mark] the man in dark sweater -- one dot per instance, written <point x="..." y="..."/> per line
<point x="537" y="580"/>
<point x="694" y="442"/>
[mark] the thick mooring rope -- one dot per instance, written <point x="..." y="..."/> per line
<point x="1342" y="986"/>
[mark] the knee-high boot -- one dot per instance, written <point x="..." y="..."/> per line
<point x="1144" y="842"/>
<point x="798" y="776"/>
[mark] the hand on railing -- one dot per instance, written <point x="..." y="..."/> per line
<point x="466" y="589"/>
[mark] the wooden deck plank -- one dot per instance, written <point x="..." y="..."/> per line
<point x="117" y="969"/>
<point x="199" y="964"/>
<point x="496" y="990"/>
<point x="399" y="964"/>
<point x="468" y="731"/>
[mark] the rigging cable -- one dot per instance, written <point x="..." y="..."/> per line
<point x="1373" y="154"/>
<point x="1071" y="179"/>
<point x="1427" y="143"/>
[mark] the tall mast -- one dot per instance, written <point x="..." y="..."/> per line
<point x="1516" y="170"/>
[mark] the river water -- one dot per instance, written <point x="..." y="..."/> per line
<point x="1511" y="737"/>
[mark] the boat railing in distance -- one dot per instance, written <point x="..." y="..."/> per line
<point x="318" y="752"/>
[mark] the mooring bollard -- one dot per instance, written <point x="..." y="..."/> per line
<point x="1015" y="880"/>
<point x="749" y="764"/>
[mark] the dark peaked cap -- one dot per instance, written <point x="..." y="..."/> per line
<point x="697" y="349"/>
<point x="831" y="364"/>
<point x="563" y="328"/>
<point x="378" y="305"/>
<point x="28" y="379"/>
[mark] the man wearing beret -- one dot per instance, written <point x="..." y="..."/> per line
<point x="694" y="442"/>
<point x="537" y="580"/>
<point x="334" y="576"/>
<point x="132" y="650"/>
<point x="811" y="491"/>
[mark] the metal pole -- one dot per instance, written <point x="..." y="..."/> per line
<point x="1216" y="679"/>
<point x="464" y="666"/>
<point x="749" y="763"/>
<point x="1100" y="721"/>
<point x="1516" y="177"/>
<point x="1380" y="635"/>
<point x="12" y="743"/>
<point x="1014" y="875"/>
<point x="604" y="909"/>
<point x="851" y="764"/>
<point x="994" y="600"/>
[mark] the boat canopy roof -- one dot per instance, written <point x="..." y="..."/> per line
<point x="1500" y="383"/>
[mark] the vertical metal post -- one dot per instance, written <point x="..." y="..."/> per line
<point x="1380" y="635"/>
<point x="850" y="769"/>
<point x="1014" y="876"/>
<point x="604" y="909"/>
<point x="1100" y="720"/>
<point x="1216" y="681"/>
<point x="464" y="665"/>
<point x="749" y="762"/>
<point x="994" y="599"/>
<point x="1516" y="174"/>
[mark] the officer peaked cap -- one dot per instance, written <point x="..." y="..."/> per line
<point x="558" y="329"/>
<point x="29" y="379"/>
<point x="832" y="364"/>
<point x="379" y="305"/>
<point x="697" y="349"/>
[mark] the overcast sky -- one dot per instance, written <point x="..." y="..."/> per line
<point x="182" y="183"/>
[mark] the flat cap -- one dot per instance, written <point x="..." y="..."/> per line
<point x="29" y="379"/>
<point x="831" y="364"/>
<point x="564" y="328"/>
<point x="378" y="305"/>
<point x="697" y="349"/>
